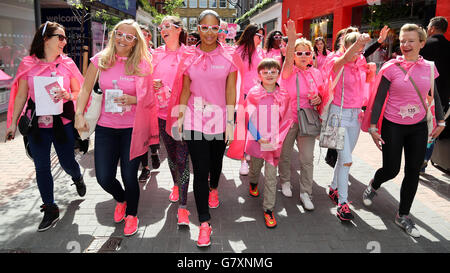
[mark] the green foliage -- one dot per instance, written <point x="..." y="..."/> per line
<point x="169" y="8"/>
<point x="379" y="15"/>
<point x="255" y="9"/>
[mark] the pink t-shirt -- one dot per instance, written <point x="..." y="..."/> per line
<point x="354" y="80"/>
<point x="320" y="58"/>
<point x="274" y="54"/>
<point x="251" y="73"/>
<point x="261" y="119"/>
<point x="47" y="121"/>
<point x="165" y="70"/>
<point x="404" y="105"/>
<point x="124" y="82"/>
<point x="206" y="108"/>
<point x="307" y="84"/>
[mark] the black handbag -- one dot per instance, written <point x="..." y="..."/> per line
<point x="25" y="124"/>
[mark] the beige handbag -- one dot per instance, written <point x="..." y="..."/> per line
<point x="332" y="134"/>
<point x="308" y="119"/>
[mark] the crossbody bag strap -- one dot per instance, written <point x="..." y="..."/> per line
<point x="298" y="97"/>
<point x="342" y="99"/>
<point x="415" y="86"/>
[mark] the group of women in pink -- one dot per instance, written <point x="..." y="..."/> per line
<point x="198" y="99"/>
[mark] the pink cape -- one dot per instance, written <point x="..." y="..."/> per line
<point x="281" y="99"/>
<point x="145" y="127"/>
<point x="188" y="57"/>
<point x="367" y="116"/>
<point x="30" y="62"/>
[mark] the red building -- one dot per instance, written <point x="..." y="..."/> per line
<point x="326" y="17"/>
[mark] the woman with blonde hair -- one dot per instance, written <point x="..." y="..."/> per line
<point x="305" y="87"/>
<point x="123" y="130"/>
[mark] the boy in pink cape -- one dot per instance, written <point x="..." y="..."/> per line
<point x="30" y="62"/>
<point x="267" y="122"/>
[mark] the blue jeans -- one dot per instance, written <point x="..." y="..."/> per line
<point x="112" y="145"/>
<point x="352" y="128"/>
<point x="41" y="158"/>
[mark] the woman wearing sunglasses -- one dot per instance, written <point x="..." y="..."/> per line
<point x="192" y="39"/>
<point x="124" y="130"/>
<point x="251" y="54"/>
<point x="299" y="54"/>
<point x="223" y="32"/>
<point x="165" y="61"/>
<point x="202" y="109"/>
<point x="48" y="60"/>
<point x="273" y="46"/>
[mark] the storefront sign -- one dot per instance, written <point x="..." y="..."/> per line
<point x="127" y="6"/>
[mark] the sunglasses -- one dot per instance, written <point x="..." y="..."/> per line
<point x="266" y="73"/>
<point x="301" y="53"/>
<point x="128" y="37"/>
<point x="205" y="28"/>
<point x="259" y="35"/>
<point x="167" y="26"/>
<point x="146" y="34"/>
<point x="278" y="37"/>
<point x="223" y="31"/>
<point x="60" y="37"/>
<point x="192" y="39"/>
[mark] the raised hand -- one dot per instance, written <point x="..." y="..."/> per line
<point x="383" y="34"/>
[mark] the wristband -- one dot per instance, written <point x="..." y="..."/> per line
<point x="371" y="130"/>
<point x="441" y="124"/>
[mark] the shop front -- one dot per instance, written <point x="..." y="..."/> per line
<point x="17" y="26"/>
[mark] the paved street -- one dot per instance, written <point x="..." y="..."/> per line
<point x="86" y="224"/>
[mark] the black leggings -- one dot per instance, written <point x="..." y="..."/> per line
<point x="144" y="158"/>
<point x="413" y="139"/>
<point x="207" y="156"/>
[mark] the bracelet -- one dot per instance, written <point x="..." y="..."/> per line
<point x="441" y="124"/>
<point x="371" y="130"/>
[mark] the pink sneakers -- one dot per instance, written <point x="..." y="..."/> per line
<point x="213" y="200"/>
<point x="204" y="237"/>
<point x="174" y="195"/>
<point x="119" y="212"/>
<point x="183" y="217"/>
<point x="131" y="225"/>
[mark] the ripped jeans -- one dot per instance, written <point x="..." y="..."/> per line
<point x="352" y="126"/>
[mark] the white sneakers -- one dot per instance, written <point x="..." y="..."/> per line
<point x="244" y="168"/>
<point x="306" y="200"/>
<point x="286" y="189"/>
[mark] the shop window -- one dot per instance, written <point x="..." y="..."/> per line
<point x="193" y="3"/>
<point x="213" y="3"/>
<point x="202" y="3"/>
<point x="222" y="3"/>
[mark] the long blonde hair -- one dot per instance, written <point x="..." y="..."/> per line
<point x="139" y="52"/>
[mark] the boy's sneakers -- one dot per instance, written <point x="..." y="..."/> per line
<point x="244" y="168"/>
<point x="286" y="189"/>
<point x="174" y="194"/>
<point x="334" y="195"/>
<point x="145" y="174"/>
<point x="306" y="200"/>
<point x="119" y="212"/>
<point x="344" y="213"/>
<point x="79" y="184"/>
<point x="131" y="225"/>
<point x="183" y="217"/>
<point x="213" y="200"/>
<point x="408" y="225"/>
<point x="51" y="216"/>
<point x="253" y="190"/>
<point x="270" y="219"/>
<point x="204" y="237"/>
<point x="369" y="194"/>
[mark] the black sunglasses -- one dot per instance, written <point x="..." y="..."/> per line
<point x="60" y="37"/>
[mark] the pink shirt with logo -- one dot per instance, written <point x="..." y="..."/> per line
<point x="165" y="70"/>
<point x="404" y="105"/>
<point x="308" y="86"/>
<point x="274" y="54"/>
<point x="124" y="82"/>
<point x="47" y="121"/>
<point x="251" y="72"/>
<point x="354" y="80"/>
<point x="206" y="108"/>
